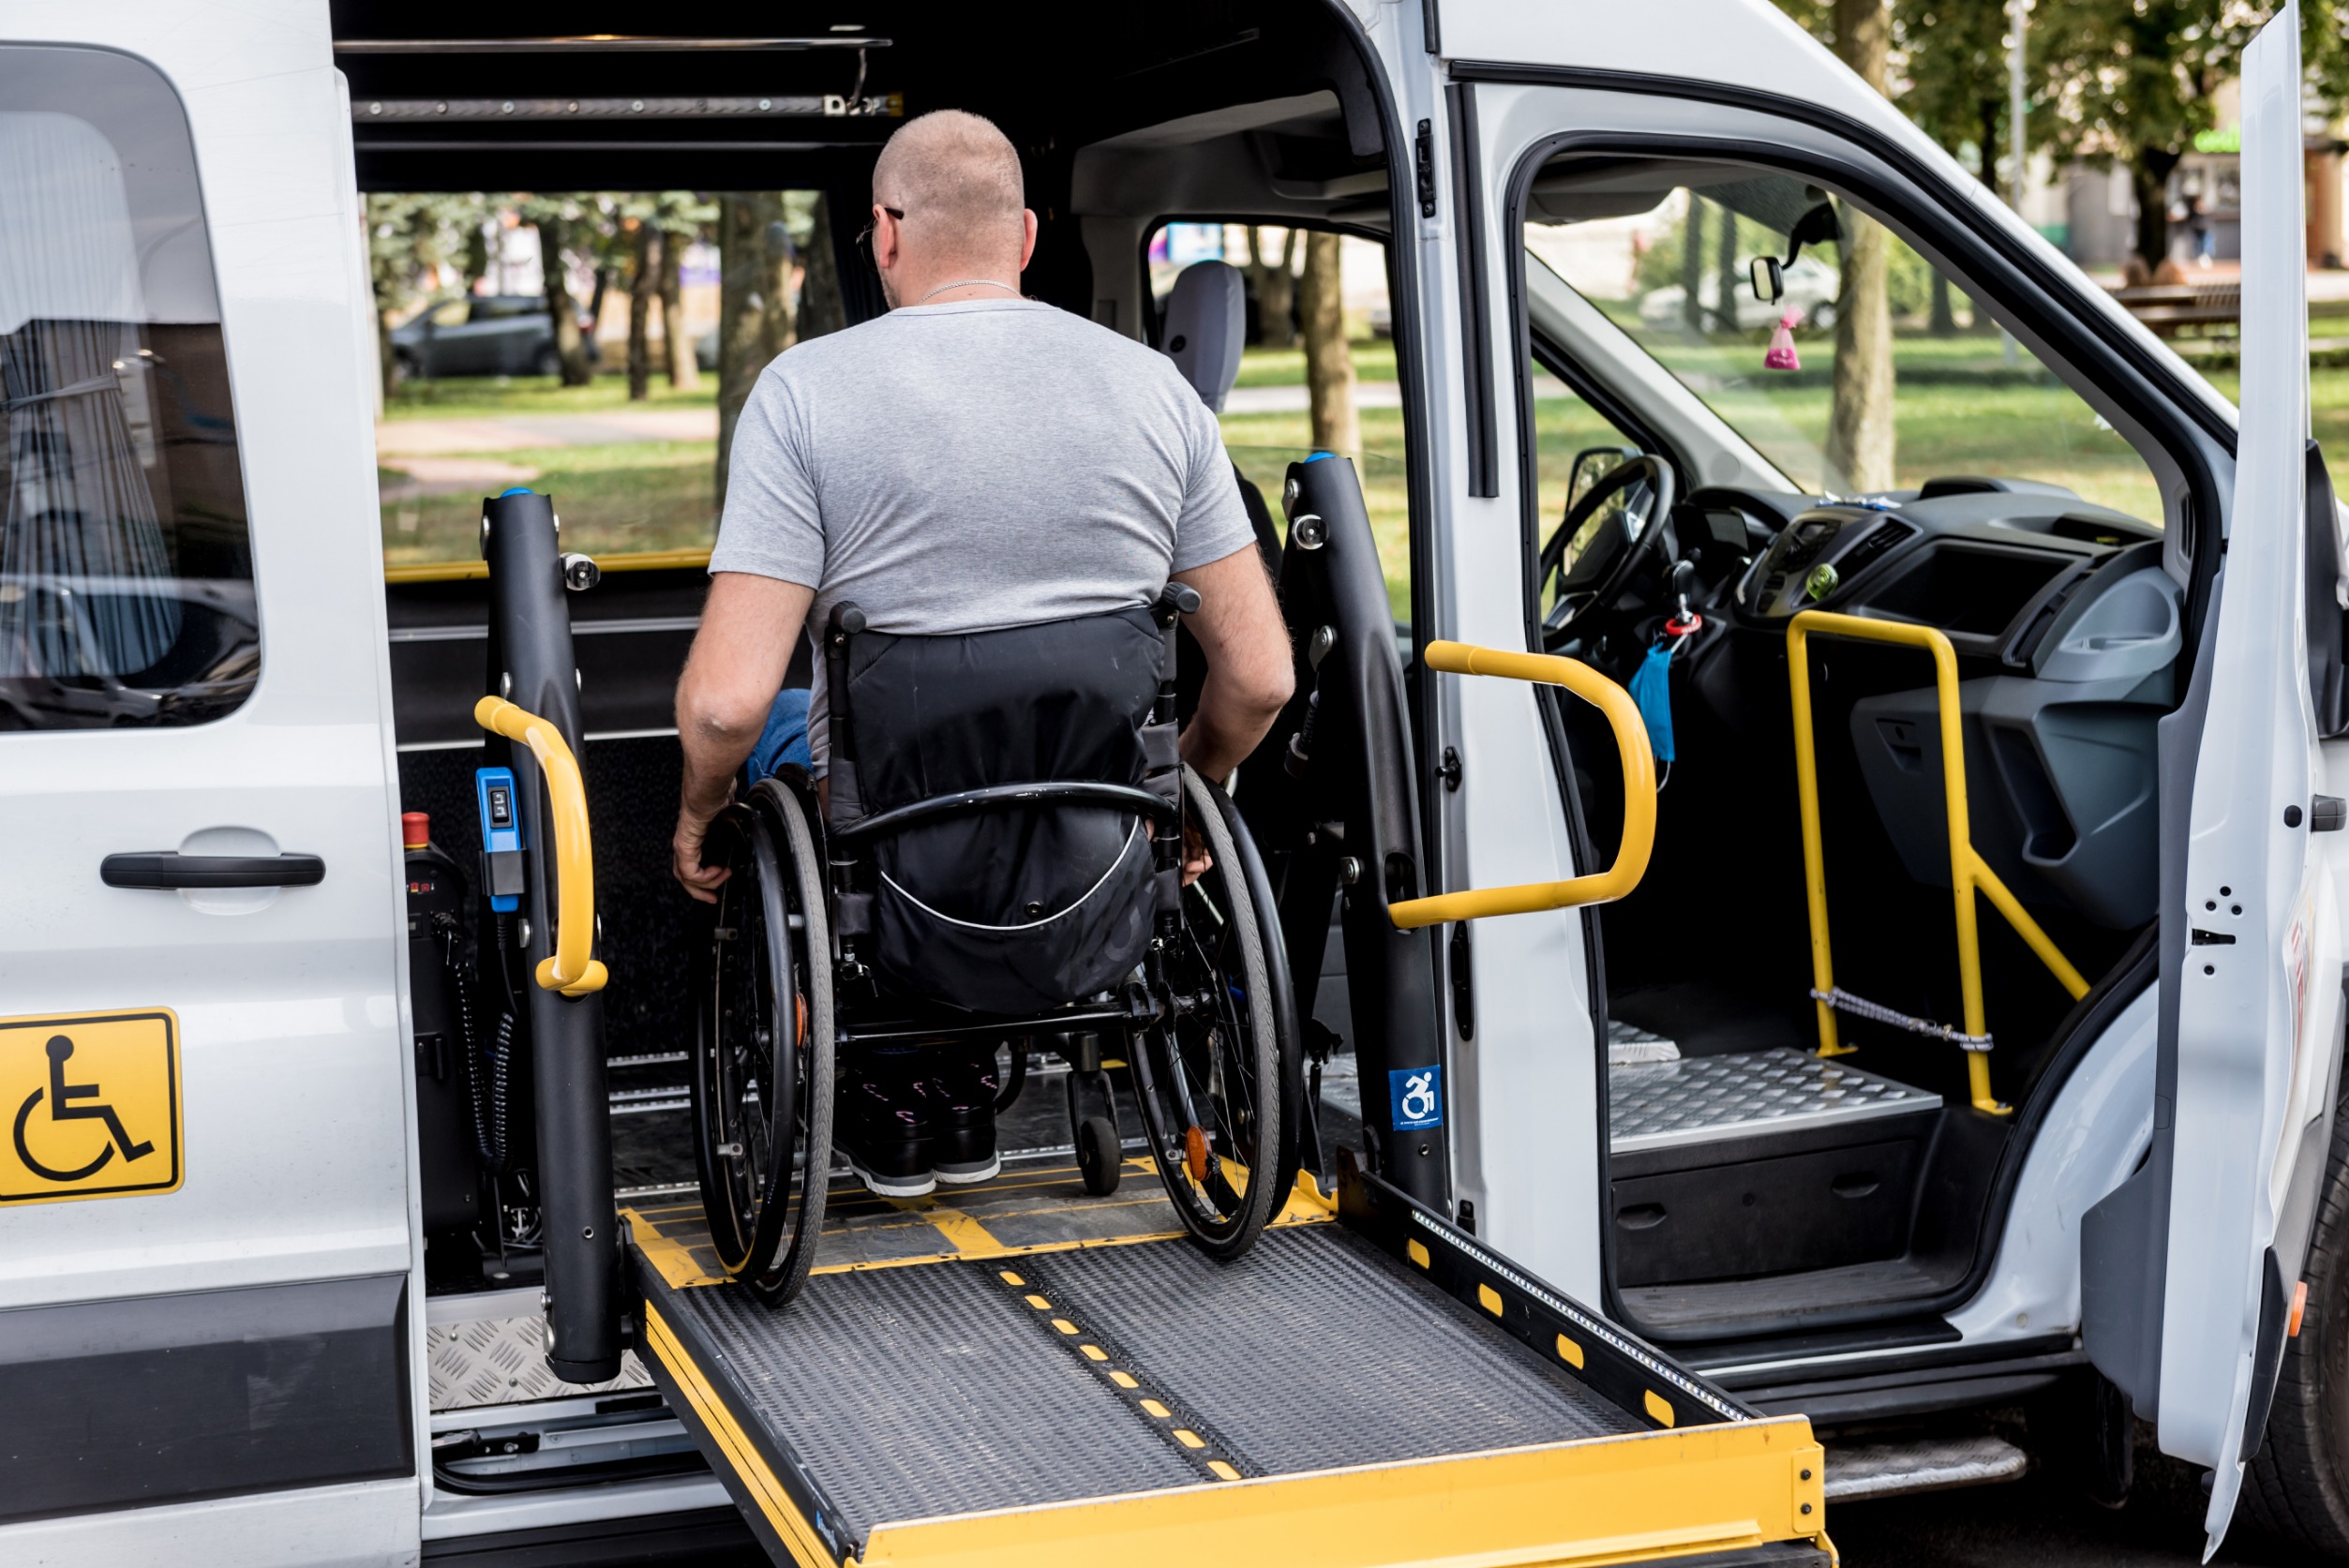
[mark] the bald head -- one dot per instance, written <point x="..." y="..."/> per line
<point x="957" y="180"/>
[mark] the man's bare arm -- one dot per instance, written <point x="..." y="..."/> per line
<point x="749" y="627"/>
<point x="1249" y="671"/>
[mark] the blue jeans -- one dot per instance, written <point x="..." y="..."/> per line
<point x="784" y="739"/>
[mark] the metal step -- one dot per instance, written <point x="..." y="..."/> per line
<point x="1709" y="1099"/>
<point x="1872" y="1470"/>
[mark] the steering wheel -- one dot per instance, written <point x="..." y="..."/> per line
<point x="1558" y="625"/>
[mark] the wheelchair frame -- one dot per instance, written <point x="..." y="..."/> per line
<point x="1219" y="1091"/>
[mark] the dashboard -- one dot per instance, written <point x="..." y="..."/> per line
<point x="1991" y="562"/>
<point x="2067" y="631"/>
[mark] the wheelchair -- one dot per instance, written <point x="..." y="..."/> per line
<point x="999" y="861"/>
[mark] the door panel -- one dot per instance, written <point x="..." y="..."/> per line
<point x="2258" y="1019"/>
<point x="235" y="701"/>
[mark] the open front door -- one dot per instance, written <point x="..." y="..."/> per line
<point x="2258" y="1002"/>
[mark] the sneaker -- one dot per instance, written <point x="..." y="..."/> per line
<point x="887" y="1126"/>
<point x="963" y="1113"/>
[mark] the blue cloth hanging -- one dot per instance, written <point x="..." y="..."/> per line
<point x="1651" y="689"/>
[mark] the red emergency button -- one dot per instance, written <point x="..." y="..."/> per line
<point x="416" y="829"/>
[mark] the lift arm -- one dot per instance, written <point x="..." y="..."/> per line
<point x="571" y="970"/>
<point x="1631" y="742"/>
<point x="1968" y="872"/>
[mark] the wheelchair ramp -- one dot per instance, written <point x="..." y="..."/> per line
<point x="1020" y="1374"/>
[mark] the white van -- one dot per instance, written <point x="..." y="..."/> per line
<point x="1976" y="596"/>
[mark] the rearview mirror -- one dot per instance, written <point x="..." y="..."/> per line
<point x="1769" y="280"/>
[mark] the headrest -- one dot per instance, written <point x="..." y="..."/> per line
<point x="1206" y="326"/>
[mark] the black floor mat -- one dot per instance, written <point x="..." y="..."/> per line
<point x="908" y="1392"/>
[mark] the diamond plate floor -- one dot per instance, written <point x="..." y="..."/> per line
<point x="1707" y="1099"/>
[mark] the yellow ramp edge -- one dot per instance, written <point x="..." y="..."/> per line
<point x="1648" y="1497"/>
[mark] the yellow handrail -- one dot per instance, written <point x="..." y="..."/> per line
<point x="1631" y="740"/>
<point x="1968" y="870"/>
<point x="571" y="970"/>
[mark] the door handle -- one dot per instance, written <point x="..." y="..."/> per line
<point x="169" y="869"/>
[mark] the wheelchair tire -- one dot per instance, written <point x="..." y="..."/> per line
<point x="1211" y="1076"/>
<point x="1099" y="1157"/>
<point x="762" y="1135"/>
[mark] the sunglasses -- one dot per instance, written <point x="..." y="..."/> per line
<point x="864" y="239"/>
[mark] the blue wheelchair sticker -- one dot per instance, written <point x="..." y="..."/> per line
<point x="1417" y="1094"/>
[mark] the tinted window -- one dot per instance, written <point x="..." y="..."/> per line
<point x="126" y="567"/>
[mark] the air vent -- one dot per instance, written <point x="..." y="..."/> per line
<point x="1881" y="540"/>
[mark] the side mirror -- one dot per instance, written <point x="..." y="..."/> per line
<point x="1591" y="465"/>
<point x="1769" y="280"/>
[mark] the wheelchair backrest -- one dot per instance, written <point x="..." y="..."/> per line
<point x="997" y="803"/>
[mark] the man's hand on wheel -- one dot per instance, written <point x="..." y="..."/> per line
<point x="1195" y="857"/>
<point x="685" y="848"/>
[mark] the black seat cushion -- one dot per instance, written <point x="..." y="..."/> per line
<point x="1009" y="911"/>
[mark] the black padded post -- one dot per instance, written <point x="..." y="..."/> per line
<point x="1360" y="797"/>
<point x="531" y="665"/>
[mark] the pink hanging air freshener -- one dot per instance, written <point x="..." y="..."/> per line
<point x="1781" y="355"/>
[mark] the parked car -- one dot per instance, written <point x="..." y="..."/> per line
<point x="481" y="334"/>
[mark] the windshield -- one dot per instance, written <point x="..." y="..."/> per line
<point x="1869" y="370"/>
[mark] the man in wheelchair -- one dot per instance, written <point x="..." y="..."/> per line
<point x="990" y="510"/>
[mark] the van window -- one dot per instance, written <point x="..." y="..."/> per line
<point x="126" y="567"/>
<point x="1268" y="422"/>
<point x="1670" y="252"/>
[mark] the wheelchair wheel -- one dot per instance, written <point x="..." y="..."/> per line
<point x="762" y="1078"/>
<point x="1210" y="1074"/>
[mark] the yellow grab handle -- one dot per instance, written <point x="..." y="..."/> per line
<point x="1631" y="740"/>
<point x="572" y="971"/>
<point x="1968" y="872"/>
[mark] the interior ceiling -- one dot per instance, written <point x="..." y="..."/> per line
<point x="433" y="115"/>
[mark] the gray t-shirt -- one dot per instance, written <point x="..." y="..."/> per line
<point x="972" y="466"/>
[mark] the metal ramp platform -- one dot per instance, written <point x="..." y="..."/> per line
<point x="1018" y="1373"/>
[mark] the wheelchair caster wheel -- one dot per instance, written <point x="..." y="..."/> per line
<point x="1099" y="1156"/>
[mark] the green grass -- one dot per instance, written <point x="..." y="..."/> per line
<point x="613" y="500"/>
<point x="475" y="397"/>
<point x="1373" y="361"/>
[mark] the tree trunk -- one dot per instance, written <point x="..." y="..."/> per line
<point x="643" y="286"/>
<point x="569" y="345"/>
<point x="1859" y="437"/>
<point x="821" y="308"/>
<point x="1328" y="358"/>
<point x="1274" y="281"/>
<point x="755" y="306"/>
<point x="1992" y="118"/>
<point x="1859" y="433"/>
<point x="595" y="301"/>
<point x="387" y="364"/>
<point x="2149" y="179"/>
<point x="677" y="343"/>
<point x="1692" y="266"/>
<point x="1944" y="321"/>
<point x="1725" y="286"/>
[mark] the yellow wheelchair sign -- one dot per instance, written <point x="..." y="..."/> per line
<point x="91" y="1106"/>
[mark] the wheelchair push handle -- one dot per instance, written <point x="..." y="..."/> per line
<point x="1175" y="600"/>
<point x="573" y="969"/>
